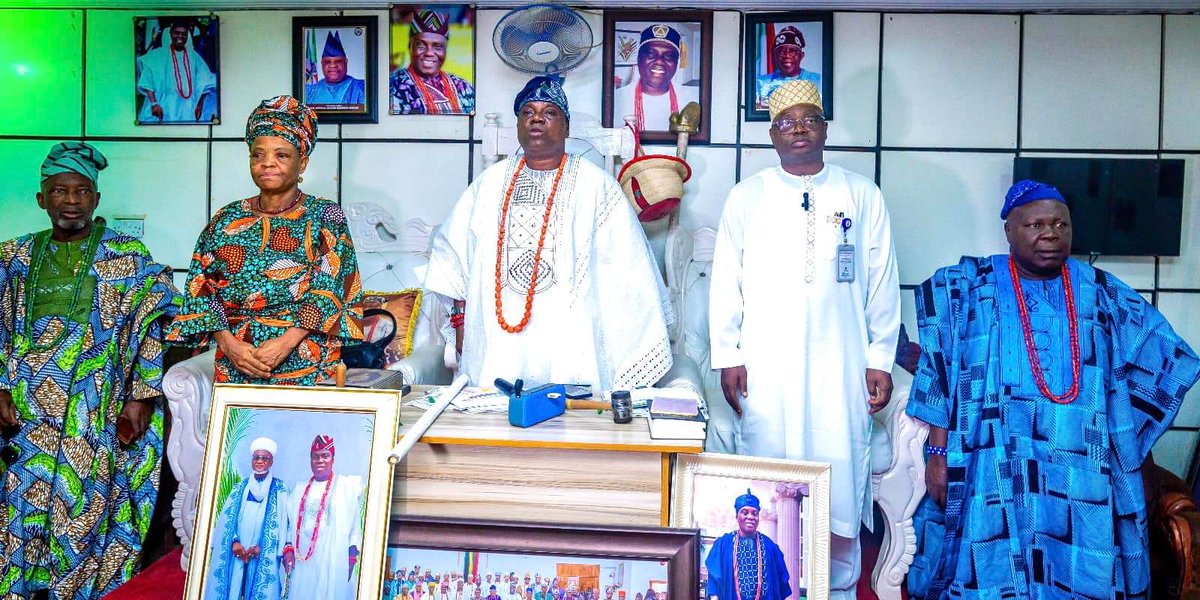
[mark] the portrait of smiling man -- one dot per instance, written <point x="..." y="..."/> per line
<point x="336" y="85"/>
<point x="662" y="85"/>
<point x="423" y="86"/>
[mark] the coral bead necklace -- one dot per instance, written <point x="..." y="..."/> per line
<point x="537" y="255"/>
<point x="1035" y="362"/>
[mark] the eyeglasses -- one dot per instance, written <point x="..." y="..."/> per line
<point x="808" y="123"/>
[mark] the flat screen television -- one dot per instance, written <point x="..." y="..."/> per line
<point x="1119" y="206"/>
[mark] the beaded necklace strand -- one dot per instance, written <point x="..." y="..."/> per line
<point x="312" y="543"/>
<point x="423" y="88"/>
<point x="1035" y="361"/>
<point x="40" y="243"/>
<point x="639" y="114"/>
<point x="737" y="583"/>
<point x="537" y="255"/>
<point x="259" y="207"/>
<point x="187" y="67"/>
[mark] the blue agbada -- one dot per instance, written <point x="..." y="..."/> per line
<point x="254" y="518"/>
<point x="1043" y="500"/>
<point x="726" y="579"/>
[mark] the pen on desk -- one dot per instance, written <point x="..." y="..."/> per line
<point x="423" y="424"/>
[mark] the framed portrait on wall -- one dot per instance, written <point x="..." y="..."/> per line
<point x="781" y="504"/>
<point x="782" y="47"/>
<point x="489" y="559"/>
<point x="176" y="70"/>
<point x="294" y="493"/>
<point x="333" y="67"/>
<point x="655" y="63"/>
<point x="432" y="59"/>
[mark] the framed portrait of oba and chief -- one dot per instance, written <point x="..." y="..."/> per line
<point x="294" y="492"/>
<point x="783" y="47"/>
<point x="655" y="63"/>
<point x="333" y="67"/>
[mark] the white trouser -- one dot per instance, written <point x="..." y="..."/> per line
<point x="845" y="566"/>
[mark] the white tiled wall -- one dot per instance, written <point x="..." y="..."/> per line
<point x="952" y="121"/>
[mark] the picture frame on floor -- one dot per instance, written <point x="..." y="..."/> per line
<point x="334" y="67"/>
<point x="294" y="483"/>
<point x="596" y="561"/>
<point x="779" y="507"/>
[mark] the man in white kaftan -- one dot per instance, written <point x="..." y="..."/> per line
<point x="247" y="553"/>
<point x="804" y="314"/>
<point x="325" y="530"/>
<point x="596" y="312"/>
<point x="174" y="79"/>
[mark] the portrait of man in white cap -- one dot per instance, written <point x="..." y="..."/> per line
<point x="248" y="545"/>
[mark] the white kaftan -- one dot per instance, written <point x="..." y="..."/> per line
<point x="326" y="574"/>
<point x="179" y="81"/>
<point x="598" y="313"/>
<point x="806" y="346"/>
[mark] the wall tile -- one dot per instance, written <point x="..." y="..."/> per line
<point x="1174" y="451"/>
<point x="1181" y="82"/>
<point x="41" y="72"/>
<point x="1183" y="271"/>
<point x="1183" y="312"/>
<point x="395" y="176"/>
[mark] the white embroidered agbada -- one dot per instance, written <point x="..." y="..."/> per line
<point x="806" y="346"/>
<point x="324" y="575"/>
<point x="599" y="308"/>
<point x="179" y="80"/>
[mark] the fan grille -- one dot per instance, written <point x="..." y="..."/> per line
<point x="520" y="29"/>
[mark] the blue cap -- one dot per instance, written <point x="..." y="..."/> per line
<point x="747" y="499"/>
<point x="1027" y="190"/>
<point x="661" y="33"/>
<point x="333" y="46"/>
<point x="543" y="88"/>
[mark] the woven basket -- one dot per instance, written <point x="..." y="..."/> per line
<point x="653" y="182"/>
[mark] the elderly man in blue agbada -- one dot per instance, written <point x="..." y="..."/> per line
<point x="337" y="86"/>
<point x="81" y="365"/>
<point x="1045" y="383"/>
<point x="745" y="563"/>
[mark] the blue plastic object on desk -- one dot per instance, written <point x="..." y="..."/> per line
<point x="527" y="408"/>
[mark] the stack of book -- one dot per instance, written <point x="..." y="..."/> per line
<point x="677" y="415"/>
<point x="379" y="379"/>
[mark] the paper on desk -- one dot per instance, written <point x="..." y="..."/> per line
<point x="472" y="400"/>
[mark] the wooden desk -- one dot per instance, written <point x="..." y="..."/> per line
<point x="579" y="468"/>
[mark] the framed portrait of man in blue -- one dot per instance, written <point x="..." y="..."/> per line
<point x="783" y="47"/>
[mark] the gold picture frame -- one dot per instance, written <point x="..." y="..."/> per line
<point x="362" y="425"/>
<point x="702" y="481"/>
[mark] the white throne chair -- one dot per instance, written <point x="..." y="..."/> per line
<point x="897" y="440"/>
<point x="391" y="258"/>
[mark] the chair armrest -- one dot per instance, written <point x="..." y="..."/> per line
<point x="425" y="365"/>
<point x="188" y="389"/>
<point x="683" y="374"/>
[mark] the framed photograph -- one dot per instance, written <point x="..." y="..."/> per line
<point x="294" y="493"/>
<point x="334" y="67"/>
<point x="779" y="506"/>
<point x="655" y="63"/>
<point x="523" y="560"/>
<point x="432" y="64"/>
<point x="176" y="70"/>
<point x="782" y="47"/>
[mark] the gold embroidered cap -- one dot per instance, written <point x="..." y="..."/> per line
<point x="792" y="93"/>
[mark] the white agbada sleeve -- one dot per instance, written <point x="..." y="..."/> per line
<point x="883" y="290"/>
<point x="451" y="252"/>
<point x="725" y="291"/>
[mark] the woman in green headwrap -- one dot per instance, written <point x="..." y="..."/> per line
<point x="274" y="280"/>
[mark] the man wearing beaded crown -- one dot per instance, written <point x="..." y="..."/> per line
<point x="82" y="310"/>
<point x="324" y="529"/>
<point x="805" y="355"/>
<point x="1045" y="383"/>
<point x="745" y="563"/>
<point x="554" y="269"/>
<point x="424" y="87"/>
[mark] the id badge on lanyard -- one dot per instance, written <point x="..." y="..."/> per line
<point x="845" y="255"/>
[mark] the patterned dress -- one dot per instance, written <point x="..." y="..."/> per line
<point x="76" y="503"/>
<point x="1043" y="500"/>
<point x="258" y="276"/>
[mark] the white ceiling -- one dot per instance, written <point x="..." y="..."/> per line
<point x="1089" y="6"/>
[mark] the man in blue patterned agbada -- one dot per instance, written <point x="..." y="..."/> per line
<point x="82" y="310"/>
<point x="1045" y="383"/>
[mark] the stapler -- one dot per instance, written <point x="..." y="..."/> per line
<point x="527" y="408"/>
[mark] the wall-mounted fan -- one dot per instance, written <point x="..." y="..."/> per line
<point x="543" y="38"/>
